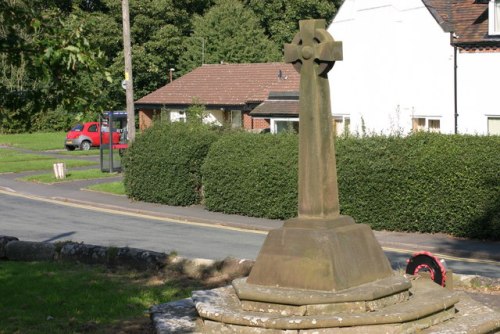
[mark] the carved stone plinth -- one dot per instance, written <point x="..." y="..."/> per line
<point x="320" y="254"/>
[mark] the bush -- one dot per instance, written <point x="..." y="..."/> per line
<point x="252" y="174"/>
<point x="424" y="182"/>
<point x="163" y="164"/>
<point x="52" y="120"/>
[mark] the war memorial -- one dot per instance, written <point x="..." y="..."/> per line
<point x="321" y="272"/>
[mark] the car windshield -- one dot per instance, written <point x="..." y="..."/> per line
<point x="78" y="127"/>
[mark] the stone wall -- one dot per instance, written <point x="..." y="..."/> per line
<point x="13" y="249"/>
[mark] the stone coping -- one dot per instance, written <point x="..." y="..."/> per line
<point x="222" y="305"/>
<point x="471" y="317"/>
<point x="366" y="292"/>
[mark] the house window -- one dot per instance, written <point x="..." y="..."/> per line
<point x="494" y="125"/>
<point x="178" y="116"/>
<point x="284" y="124"/>
<point x="236" y="119"/>
<point x="426" y="124"/>
<point x="494" y="17"/>
<point x="341" y="125"/>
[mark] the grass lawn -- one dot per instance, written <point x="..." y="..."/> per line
<point x="116" y="188"/>
<point x="40" y="141"/>
<point x="51" y="297"/>
<point x="15" y="162"/>
<point x="70" y="176"/>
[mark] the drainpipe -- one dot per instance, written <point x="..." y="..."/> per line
<point x="455" y="83"/>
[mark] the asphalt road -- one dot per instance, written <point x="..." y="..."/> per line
<point x="35" y="220"/>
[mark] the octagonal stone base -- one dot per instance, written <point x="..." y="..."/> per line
<point x="429" y="309"/>
<point x="320" y="254"/>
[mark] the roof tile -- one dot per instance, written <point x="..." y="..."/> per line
<point x="226" y="84"/>
<point x="468" y="19"/>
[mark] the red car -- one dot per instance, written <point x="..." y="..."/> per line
<point x="84" y="136"/>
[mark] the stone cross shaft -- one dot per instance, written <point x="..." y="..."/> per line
<point x="313" y="53"/>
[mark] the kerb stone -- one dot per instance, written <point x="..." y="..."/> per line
<point x="30" y="251"/>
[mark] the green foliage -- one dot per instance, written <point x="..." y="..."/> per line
<point x="196" y="112"/>
<point x="47" y="62"/>
<point x="163" y="164"/>
<point x="422" y="183"/>
<point x="252" y="174"/>
<point x="52" y="120"/>
<point x="425" y="182"/>
<point x="231" y="33"/>
<point x="67" y="55"/>
<point x="280" y="18"/>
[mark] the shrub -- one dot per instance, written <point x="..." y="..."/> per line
<point x="252" y="174"/>
<point x="424" y="182"/>
<point x="52" y="120"/>
<point x="163" y="164"/>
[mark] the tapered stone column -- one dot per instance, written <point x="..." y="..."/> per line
<point x="320" y="249"/>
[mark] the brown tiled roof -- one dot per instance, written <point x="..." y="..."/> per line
<point x="226" y="84"/>
<point x="468" y="19"/>
<point x="273" y="108"/>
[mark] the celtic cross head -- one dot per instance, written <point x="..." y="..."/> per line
<point x="313" y="45"/>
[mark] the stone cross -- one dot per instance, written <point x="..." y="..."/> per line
<point x="320" y="249"/>
<point x="313" y="53"/>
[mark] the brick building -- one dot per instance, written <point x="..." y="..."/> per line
<point x="229" y="92"/>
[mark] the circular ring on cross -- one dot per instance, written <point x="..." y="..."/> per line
<point x="321" y="36"/>
<point x="425" y="262"/>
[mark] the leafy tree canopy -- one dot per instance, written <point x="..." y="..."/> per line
<point x="60" y="56"/>
<point x="230" y="33"/>
<point x="280" y="18"/>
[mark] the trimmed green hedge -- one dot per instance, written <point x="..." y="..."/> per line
<point x="252" y="174"/>
<point x="424" y="182"/>
<point x="163" y="164"/>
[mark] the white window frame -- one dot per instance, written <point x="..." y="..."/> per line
<point x="178" y="115"/>
<point x="427" y="121"/>
<point x="488" y="129"/>
<point x="341" y="120"/>
<point x="274" y="126"/>
<point x="494" y="17"/>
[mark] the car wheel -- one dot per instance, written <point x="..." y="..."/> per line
<point x="70" y="148"/>
<point x="85" y="145"/>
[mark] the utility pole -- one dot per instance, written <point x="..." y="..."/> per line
<point x="129" y="91"/>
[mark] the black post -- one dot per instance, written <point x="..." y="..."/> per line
<point x="455" y="86"/>
<point x="110" y="115"/>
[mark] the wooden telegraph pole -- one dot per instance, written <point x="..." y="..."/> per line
<point x="129" y="90"/>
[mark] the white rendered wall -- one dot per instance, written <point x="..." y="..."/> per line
<point x="398" y="64"/>
<point x="478" y="95"/>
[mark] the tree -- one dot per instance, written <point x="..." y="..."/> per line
<point x="280" y="18"/>
<point x="59" y="56"/>
<point x="44" y="53"/>
<point x="230" y="33"/>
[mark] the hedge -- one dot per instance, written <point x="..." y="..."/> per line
<point x="163" y="164"/>
<point x="252" y="174"/>
<point x="424" y="182"/>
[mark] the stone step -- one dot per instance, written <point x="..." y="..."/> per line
<point x="223" y="306"/>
